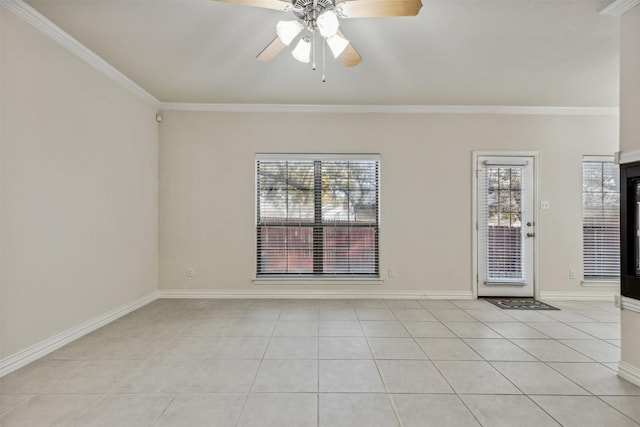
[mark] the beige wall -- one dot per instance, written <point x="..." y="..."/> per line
<point x="207" y="190"/>
<point x="630" y="80"/>
<point x="630" y="347"/>
<point x="630" y="141"/>
<point x="79" y="190"/>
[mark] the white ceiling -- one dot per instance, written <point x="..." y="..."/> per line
<point x="455" y="52"/>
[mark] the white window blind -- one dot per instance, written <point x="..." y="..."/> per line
<point x="601" y="218"/>
<point x="500" y="223"/>
<point x="317" y="216"/>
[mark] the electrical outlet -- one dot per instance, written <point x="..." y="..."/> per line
<point x="392" y="272"/>
<point x="189" y="271"/>
<point x="572" y="274"/>
<point x="545" y="204"/>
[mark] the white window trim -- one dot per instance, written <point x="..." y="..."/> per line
<point x="313" y="156"/>
<point x="599" y="283"/>
<point x="598" y="158"/>
<point x="316" y="280"/>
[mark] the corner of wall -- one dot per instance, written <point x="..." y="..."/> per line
<point x="38" y="350"/>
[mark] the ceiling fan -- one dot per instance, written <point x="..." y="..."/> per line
<point x="321" y="17"/>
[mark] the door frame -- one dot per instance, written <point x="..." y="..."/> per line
<point x="474" y="214"/>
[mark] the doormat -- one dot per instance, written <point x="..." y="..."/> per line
<point x="520" y="304"/>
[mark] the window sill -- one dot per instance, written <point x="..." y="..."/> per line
<point x="317" y="281"/>
<point x="600" y="283"/>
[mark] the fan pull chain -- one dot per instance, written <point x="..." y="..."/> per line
<point x="324" y="79"/>
<point x="313" y="50"/>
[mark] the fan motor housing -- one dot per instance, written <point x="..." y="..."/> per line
<point x="307" y="11"/>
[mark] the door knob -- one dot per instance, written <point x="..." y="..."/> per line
<point x="531" y="234"/>
<point x="530" y="224"/>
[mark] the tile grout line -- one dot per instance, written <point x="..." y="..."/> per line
<point x="446" y="379"/>
<point x="615" y="409"/>
<point x="173" y="398"/>
<point x="246" y="398"/>
<point x="396" y="412"/>
<point x="542" y="409"/>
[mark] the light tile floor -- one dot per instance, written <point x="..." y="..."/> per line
<point x="352" y="363"/>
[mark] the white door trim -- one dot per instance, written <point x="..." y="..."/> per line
<point x="474" y="214"/>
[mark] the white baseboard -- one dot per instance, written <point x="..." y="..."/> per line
<point x="629" y="373"/>
<point x="579" y="296"/>
<point x="312" y="294"/>
<point x="41" y="349"/>
<point x="630" y="304"/>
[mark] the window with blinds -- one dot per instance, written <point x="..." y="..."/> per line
<point x="601" y="218"/>
<point x="317" y="215"/>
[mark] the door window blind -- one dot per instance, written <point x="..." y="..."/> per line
<point x="501" y="189"/>
<point x="601" y="218"/>
<point x="317" y="216"/>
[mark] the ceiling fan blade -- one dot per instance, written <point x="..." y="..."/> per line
<point x="375" y="8"/>
<point x="264" y="4"/>
<point x="271" y="51"/>
<point x="349" y="56"/>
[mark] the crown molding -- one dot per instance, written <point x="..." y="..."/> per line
<point x="391" y="109"/>
<point x="619" y="7"/>
<point x="623" y="157"/>
<point x="55" y="33"/>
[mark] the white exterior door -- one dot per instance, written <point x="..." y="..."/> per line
<point x="505" y="225"/>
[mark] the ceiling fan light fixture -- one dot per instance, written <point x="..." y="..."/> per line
<point x="328" y="23"/>
<point x="337" y="44"/>
<point x="288" y="30"/>
<point x="302" y="51"/>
